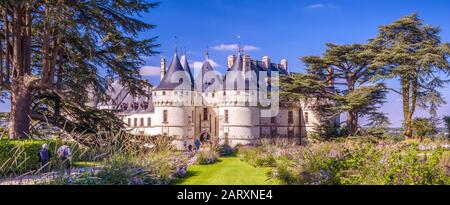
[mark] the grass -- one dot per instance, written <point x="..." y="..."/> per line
<point x="227" y="171"/>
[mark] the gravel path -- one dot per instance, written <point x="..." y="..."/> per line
<point x="45" y="178"/>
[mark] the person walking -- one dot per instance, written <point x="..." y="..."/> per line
<point x="197" y="144"/>
<point x="44" y="157"/>
<point x="64" y="155"/>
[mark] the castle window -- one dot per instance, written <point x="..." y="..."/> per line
<point x="224" y="93"/>
<point x="165" y="116"/>
<point x="290" y="117"/>
<point x="291" y="132"/>
<point x="273" y="131"/>
<point x="142" y="122"/>
<point x="129" y="122"/>
<point x="164" y="92"/>
<point x="205" y="113"/>
<point x="213" y="94"/>
<point x="149" y="122"/>
<point x="273" y="119"/>
<point x="135" y="122"/>
<point x="306" y="117"/>
<point x="226" y="116"/>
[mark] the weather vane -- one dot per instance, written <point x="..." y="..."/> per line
<point x="176" y="43"/>
<point x="239" y="44"/>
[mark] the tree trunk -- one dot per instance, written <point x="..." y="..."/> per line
<point x="20" y="92"/>
<point x="20" y="111"/>
<point x="407" y="115"/>
<point x="352" y="122"/>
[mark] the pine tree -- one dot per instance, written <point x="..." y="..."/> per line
<point x="347" y="69"/>
<point x="413" y="52"/>
<point x="54" y="52"/>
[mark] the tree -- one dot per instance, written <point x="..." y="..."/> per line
<point x="447" y="123"/>
<point x="423" y="127"/>
<point x="314" y="93"/>
<point x="413" y="52"/>
<point x="347" y="66"/>
<point x="54" y="52"/>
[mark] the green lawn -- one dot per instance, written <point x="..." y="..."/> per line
<point x="227" y="171"/>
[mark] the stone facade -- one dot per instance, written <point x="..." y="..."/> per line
<point x="201" y="110"/>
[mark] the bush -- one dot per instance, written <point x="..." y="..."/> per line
<point x="257" y="157"/>
<point x="155" y="168"/>
<point x="356" y="162"/>
<point x="21" y="156"/>
<point x="206" y="157"/>
<point x="423" y="127"/>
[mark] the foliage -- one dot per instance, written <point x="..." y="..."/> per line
<point x="256" y="157"/>
<point x="206" y="157"/>
<point x="67" y="49"/>
<point x="423" y="127"/>
<point x="409" y="50"/>
<point x="346" y="70"/>
<point x="358" y="162"/>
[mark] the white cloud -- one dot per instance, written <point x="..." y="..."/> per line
<point x="225" y="47"/>
<point x="315" y="6"/>
<point x="250" y="48"/>
<point x="150" y="71"/>
<point x="234" y="47"/>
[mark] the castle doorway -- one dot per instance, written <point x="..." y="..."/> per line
<point x="205" y="137"/>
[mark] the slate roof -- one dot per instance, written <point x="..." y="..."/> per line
<point x="185" y="65"/>
<point x="234" y="76"/>
<point x="175" y="68"/>
<point x="204" y="80"/>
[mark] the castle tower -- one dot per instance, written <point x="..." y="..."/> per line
<point x="266" y="61"/>
<point x="284" y="64"/>
<point x="238" y="111"/>
<point x="230" y="61"/>
<point x="171" y="99"/>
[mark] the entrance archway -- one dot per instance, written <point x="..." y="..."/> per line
<point x="205" y="137"/>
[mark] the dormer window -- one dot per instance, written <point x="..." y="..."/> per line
<point x="135" y="105"/>
<point x="144" y="105"/>
<point x="124" y="106"/>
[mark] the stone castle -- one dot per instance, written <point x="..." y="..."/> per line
<point x="214" y="106"/>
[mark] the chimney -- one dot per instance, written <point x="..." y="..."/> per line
<point x="266" y="61"/>
<point x="330" y="80"/>
<point x="247" y="61"/>
<point x="284" y="64"/>
<point x="163" y="67"/>
<point x="230" y="61"/>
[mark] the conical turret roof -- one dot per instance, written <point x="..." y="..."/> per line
<point x="175" y="77"/>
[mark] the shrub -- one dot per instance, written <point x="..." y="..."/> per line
<point x="155" y="168"/>
<point x="356" y="162"/>
<point x="21" y="156"/>
<point x="206" y="157"/>
<point x="423" y="127"/>
<point x="257" y="157"/>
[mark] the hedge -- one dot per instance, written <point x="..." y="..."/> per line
<point x="21" y="156"/>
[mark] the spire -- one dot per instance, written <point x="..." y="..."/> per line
<point x="176" y="45"/>
<point x="207" y="53"/>
<point x="240" y="51"/>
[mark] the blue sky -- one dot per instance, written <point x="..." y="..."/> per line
<point x="281" y="29"/>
